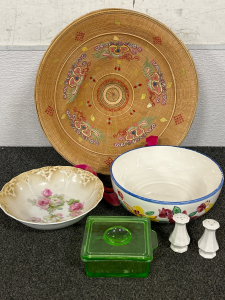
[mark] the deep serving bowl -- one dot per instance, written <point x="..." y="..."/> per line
<point x="160" y="181"/>
<point x="51" y="197"/>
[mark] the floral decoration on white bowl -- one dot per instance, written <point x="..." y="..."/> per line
<point x="160" y="181"/>
<point x="51" y="197"/>
<point x="53" y="202"/>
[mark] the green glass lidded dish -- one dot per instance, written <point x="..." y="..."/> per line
<point x="118" y="246"/>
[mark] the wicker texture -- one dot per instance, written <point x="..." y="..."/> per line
<point x="111" y="79"/>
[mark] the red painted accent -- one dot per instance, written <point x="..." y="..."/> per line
<point x="50" y="111"/>
<point x="129" y="57"/>
<point x="157" y="40"/>
<point x="178" y="119"/>
<point x="79" y="36"/>
<point x="121" y="132"/>
<point x="152" y="97"/>
<point x="80" y="115"/>
<point x="108" y="161"/>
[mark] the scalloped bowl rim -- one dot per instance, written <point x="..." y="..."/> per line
<point x="52" y="223"/>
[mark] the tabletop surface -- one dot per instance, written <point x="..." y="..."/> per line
<point x="47" y="265"/>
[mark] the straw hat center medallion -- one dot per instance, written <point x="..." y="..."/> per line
<point x="113" y="95"/>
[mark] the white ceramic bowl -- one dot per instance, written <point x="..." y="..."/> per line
<point x="160" y="181"/>
<point x="51" y="197"/>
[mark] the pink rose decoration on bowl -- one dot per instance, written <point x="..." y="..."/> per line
<point x="34" y="219"/>
<point x="47" y="193"/>
<point x="75" y="213"/>
<point x="76" y="206"/>
<point x="59" y="215"/>
<point x="43" y="203"/>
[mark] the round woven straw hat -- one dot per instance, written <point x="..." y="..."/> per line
<point x="111" y="79"/>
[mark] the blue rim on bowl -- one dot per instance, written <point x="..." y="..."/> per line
<point x="166" y="202"/>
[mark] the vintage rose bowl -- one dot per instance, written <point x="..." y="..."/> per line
<point x="160" y="181"/>
<point x="51" y="197"/>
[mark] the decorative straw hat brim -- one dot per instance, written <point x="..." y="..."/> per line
<point x="109" y="80"/>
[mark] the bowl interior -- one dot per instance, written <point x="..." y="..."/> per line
<point x="51" y="195"/>
<point x="167" y="173"/>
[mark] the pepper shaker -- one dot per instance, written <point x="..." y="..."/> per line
<point x="208" y="244"/>
<point x="179" y="238"/>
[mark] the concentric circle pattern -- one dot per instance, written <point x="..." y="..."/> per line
<point x="113" y="95"/>
<point x="111" y="79"/>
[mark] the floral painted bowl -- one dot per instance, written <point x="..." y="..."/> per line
<point x="160" y="181"/>
<point x="51" y="197"/>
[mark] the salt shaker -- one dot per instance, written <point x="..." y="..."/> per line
<point x="208" y="244"/>
<point x="179" y="238"/>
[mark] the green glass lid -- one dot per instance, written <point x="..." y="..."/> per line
<point x="126" y="238"/>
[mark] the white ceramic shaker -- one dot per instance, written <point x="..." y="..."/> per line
<point x="208" y="244"/>
<point x="179" y="238"/>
